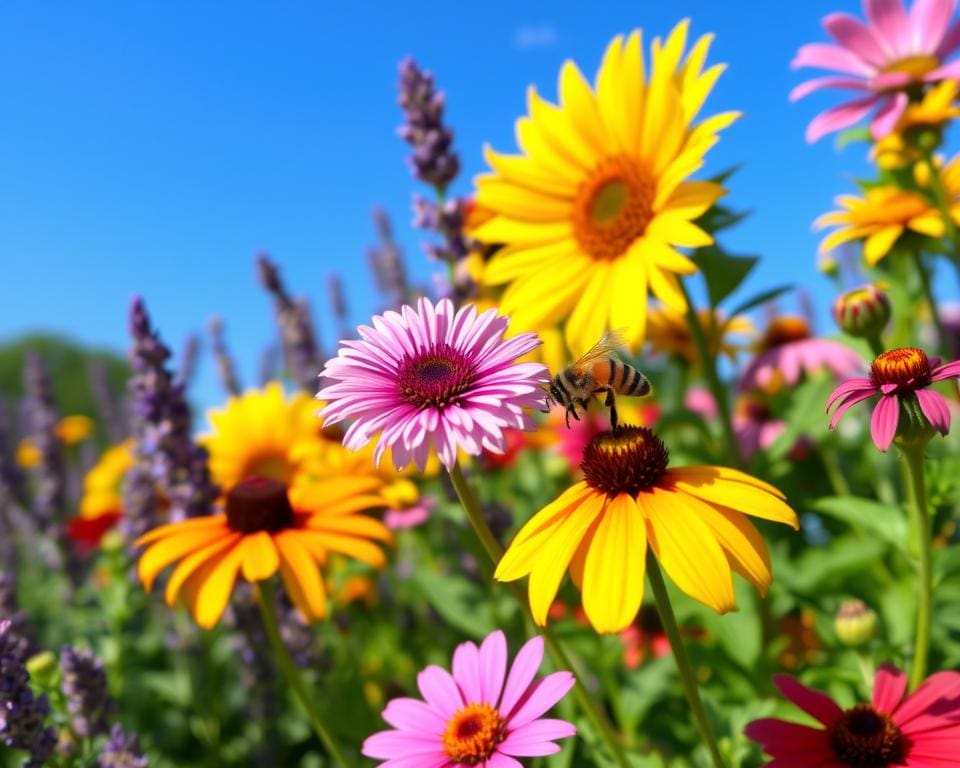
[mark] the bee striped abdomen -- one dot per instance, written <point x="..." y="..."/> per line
<point x="633" y="382"/>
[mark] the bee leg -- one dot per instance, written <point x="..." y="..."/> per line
<point x="611" y="403"/>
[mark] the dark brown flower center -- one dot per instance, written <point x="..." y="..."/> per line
<point x="865" y="738"/>
<point x="435" y="378"/>
<point x="473" y="734"/>
<point x="258" y="504"/>
<point x="624" y="460"/>
<point x="903" y="366"/>
<point x="785" y="329"/>
<point x="613" y="207"/>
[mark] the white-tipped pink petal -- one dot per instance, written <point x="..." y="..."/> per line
<point x="884" y="421"/>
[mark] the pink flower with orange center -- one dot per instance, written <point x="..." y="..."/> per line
<point x="899" y="376"/>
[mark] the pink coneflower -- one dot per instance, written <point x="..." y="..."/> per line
<point x="895" y="376"/>
<point x="788" y="350"/>
<point x="479" y="715"/>
<point x="433" y="377"/>
<point x="919" y="731"/>
<point x="755" y="426"/>
<point x="882" y="59"/>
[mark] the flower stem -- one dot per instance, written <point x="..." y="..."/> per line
<point x="687" y="676"/>
<point x="558" y="653"/>
<point x="920" y="522"/>
<point x="942" y="336"/>
<point x="265" y="599"/>
<point x="708" y="364"/>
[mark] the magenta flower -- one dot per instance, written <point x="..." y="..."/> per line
<point x="894" y="376"/>
<point x="433" y="377"/>
<point x="755" y="427"/>
<point x="787" y="351"/>
<point x="921" y="730"/>
<point x="882" y="59"/>
<point x="479" y="715"/>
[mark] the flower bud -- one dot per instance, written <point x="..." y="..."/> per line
<point x="42" y="669"/>
<point x="855" y="623"/>
<point x="863" y="312"/>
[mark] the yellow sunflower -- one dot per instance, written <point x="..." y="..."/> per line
<point x="692" y="518"/>
<point x="669" y="332"/>
<point x="899" y="147"/>
<point x="592" y="213"/>
<point x="265" y="529"/>
<point x="879" y="218"/>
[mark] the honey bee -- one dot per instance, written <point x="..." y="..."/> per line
<point x="597" y="372"/>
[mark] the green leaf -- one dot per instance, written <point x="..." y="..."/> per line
<point x="853" y="135"/>
<point x="760" y="298"/>
<point x="866" y="514"/>
<point x="460" y="602"/>
<point x="722" y="272"/>
<point x="806" y="415"/>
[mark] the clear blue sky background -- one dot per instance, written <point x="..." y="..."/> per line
<point x="153" y="148"/>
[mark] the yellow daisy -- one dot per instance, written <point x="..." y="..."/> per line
<point x="592" y="213"/>
<point x="669" y="333"/>
<point x="103" y="484"/>
<point x="692" y="518"/>
<point x="899" y="148"/>
<point x="879" y="218"/>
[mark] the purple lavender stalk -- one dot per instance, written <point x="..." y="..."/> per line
<point x="269" y="365"/>
<point x="122" y="751"/>
<point x="387" y="262"/>
<point x="338" y="303"/>
<point x="106" y="400"/>
<point x="23" y="716"/>
<point x="433" y="159"/>
<point x="189" y="355"/>
<point x="302" y="355"/>
<point x="165" y="451"/>
<point x="225" y="366"/>
<point x="84" y="686"/>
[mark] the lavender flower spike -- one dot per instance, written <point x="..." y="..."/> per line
<point x="22" y="715"/>
<point x="84" y="685"/>
<point x="225" y="365"/>
<point x="122" y="751"/>
<point x="433" y="159"/>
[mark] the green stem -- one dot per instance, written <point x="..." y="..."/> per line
<point x="876" y="345"/>
<point x="838" y="482"/>
<point x="558" y="653"/>
<point x="942" y="336"/>
<point x="687" y="676"/>
<point x="265" y="599"/>
<point x="920" y="522"/>
<point x="708" y="364"/>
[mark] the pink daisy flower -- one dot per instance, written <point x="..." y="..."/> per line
<point x="882" y="59"/>
<point x="895" y="376"/>
<point x="479" y="715"/>
<point x="921" y="730"/>
<point x="788" y="350"/>
<point x="755" y="427"/>
<point x="433" y="377"/>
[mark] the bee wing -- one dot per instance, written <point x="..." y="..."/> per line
<point x="608" y="345"/>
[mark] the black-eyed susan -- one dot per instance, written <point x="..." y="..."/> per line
<point x="692" y="518"/>
<point x="592" y="213"/>
<point x="101" y="505"/>
<point x="266" y="528"/>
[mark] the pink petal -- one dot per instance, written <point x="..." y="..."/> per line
<point x="536" y="738"/>
<point x="540" y="697"/>
<point x="418" y="761"/>
<point x="930" y="20"/>
<point x="780" y="737"/>
<point x="413" y="715"/>
<point x="890" y="25"/>
<point x="500" y="760"/>
<point x="948" y="371"/>
<point x="493" y="667"/>
<point x="826" y="56"/>
<point x="939" y="695"/>
<point x="466" y="671"/>
<point x="804" y="761"/>
<point x="934" y="407"/>
<point x="857" y="38"/>
<point x="440" y="691"/>
<point x="883" y="422"/>
<point x="387" y="744"/>
<point x="814" y="703"/>
<point x="838" y="118"/>
<point x="857" y="397"/>
<point x="850" y="385"/>
<point x="808" y="87"/>
<point x="935" y="745"/>
<point x="950" y="42"/>
<point x="889" y="685"/>
<point x="524" y="669"/>
<point x="886" y="118"/>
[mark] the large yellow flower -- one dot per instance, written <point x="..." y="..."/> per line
<point x="592" y="213"/>
<point x="103" y="484"/>
<point x="693" y="518"/>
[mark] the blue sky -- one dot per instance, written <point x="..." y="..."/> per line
<point x="154" y="148"/>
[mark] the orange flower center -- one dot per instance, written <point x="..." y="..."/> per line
<point x="473" y="734"/>
<point x="436" y="378"/>
<point x="613" y="207"/>
<point x="258" y="504"/>
<point x="866" y="738"/>
<point x="624" y="460"/>
<point x="785" y="329"/>
<point x="904" y="366"/>
<point x="915" y="66"/>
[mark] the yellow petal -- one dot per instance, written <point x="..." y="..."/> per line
<point x="628" y="300"/>
<point x="677" y="231"/>
<point x="700" y="473"/>
<point x="191" y="564"/>
<point x="687" y="549"/>
<point x="588" y="320"/>
<point x="542" y="300"/>
<point x="356" y="525"/>
<point x="501" y="229"/>
<point x="526" y="172"/>
<point x="174" y="529"/>
<point x="166" y="551"/>
<point x="609" y="90"/>
<point x="518" y="261"/>
<point x="879" y="243"/>
<point x="301" y="576"/>
<point x="319" y="542"/>
<point x="739" y="496"/>
<point x="521" y="202"/>
<point x="614" y="569"/>
<point x="665" y="287"/>
<point x="693" y="198"/>
<point x="208" y="590"/>
<point x="259" y="556"/>
<point x="581" y="107"/>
